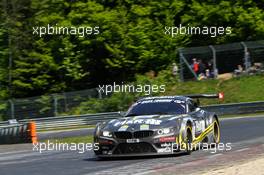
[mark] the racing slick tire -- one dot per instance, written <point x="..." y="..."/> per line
<point x="187" y="140"/>
<point x="215" y="136"/>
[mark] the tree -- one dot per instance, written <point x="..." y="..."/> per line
<point x="131" y="39"/>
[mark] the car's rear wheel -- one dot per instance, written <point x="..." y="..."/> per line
<point x="216" y="132"/>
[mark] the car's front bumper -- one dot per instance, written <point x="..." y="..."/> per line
<point x="109" y="147"/>
<point x="135" y="155"/>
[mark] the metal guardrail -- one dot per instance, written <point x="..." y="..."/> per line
<point x="92" y="119"/>
<point x="72" y="121"/>
<point x="14" y="133"/>
<point x="4" y="123"/>
<point x="236" y="108"/>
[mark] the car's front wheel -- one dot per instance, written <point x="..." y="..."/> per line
<point x="187" y="140"/>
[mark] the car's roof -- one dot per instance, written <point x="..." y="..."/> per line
<point x="181" y="98"/>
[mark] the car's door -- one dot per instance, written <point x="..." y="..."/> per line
<point x="197" y="115"/>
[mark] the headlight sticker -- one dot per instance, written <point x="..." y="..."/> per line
<point x="107" y="134"/>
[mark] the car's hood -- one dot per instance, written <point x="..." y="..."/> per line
<point x="142" y="122"/>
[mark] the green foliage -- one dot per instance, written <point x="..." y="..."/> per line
<point x="117" y="102"/>
<point x="3" y="107"/>
<point x="131" y="40"/>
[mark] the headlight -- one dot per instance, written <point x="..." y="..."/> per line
<point x="165" y="131"/>
<point x="107" y="134"/>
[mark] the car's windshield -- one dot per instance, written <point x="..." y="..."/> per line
<point x="156" y="108"/>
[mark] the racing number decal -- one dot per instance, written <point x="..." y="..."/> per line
<point x="200" y="125"/>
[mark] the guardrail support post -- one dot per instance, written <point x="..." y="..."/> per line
<point x="55" y="105"/>
<point x="12" y="108"/>
<point x="188" y="66"/>
<point x="214" y="61"/>
<point x="181" y="66"/>
<point x="247" y="62"/>
<point x="99" y="93"/>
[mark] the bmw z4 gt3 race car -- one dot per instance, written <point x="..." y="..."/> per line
<point x="158" y="125"/>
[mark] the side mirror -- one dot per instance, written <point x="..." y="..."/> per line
<point x="197" y="109"/>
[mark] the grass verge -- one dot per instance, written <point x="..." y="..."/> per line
<point x="79" y="139"/>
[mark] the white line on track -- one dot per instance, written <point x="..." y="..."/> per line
<point x="145" y="172"/>
<point x="242" y="117"/>
<point x="240" y="150"/>
<point x="17" y="156"/>
<point x="15" y="152"/>
<point x="20" y="161"/>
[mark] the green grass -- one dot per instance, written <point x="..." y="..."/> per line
<point x="236" y="90"/>
<point x="79" y="139"/>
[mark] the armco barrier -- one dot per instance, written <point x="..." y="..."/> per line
<point x="92" y="119"/>
<point x="236" y="108"/>
<point x="72" y="121"/>
<point x="14" y="133"/>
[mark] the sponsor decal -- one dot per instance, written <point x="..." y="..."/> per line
<point x="139" y="121"/>
<point x="200" y="125"/>
<point x="165" y="150"/>
<point x="167" y="139"/>
<point x="144" y="127"/>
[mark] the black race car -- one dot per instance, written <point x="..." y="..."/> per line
<point x="158" y="125"/>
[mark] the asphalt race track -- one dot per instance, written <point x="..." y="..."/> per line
<point x="240" y="132"/>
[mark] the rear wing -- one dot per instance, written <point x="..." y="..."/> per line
<point x="219" y="95"/>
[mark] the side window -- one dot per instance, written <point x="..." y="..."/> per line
<point x="191" y="106"/>
<point x="196" y="105"/>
